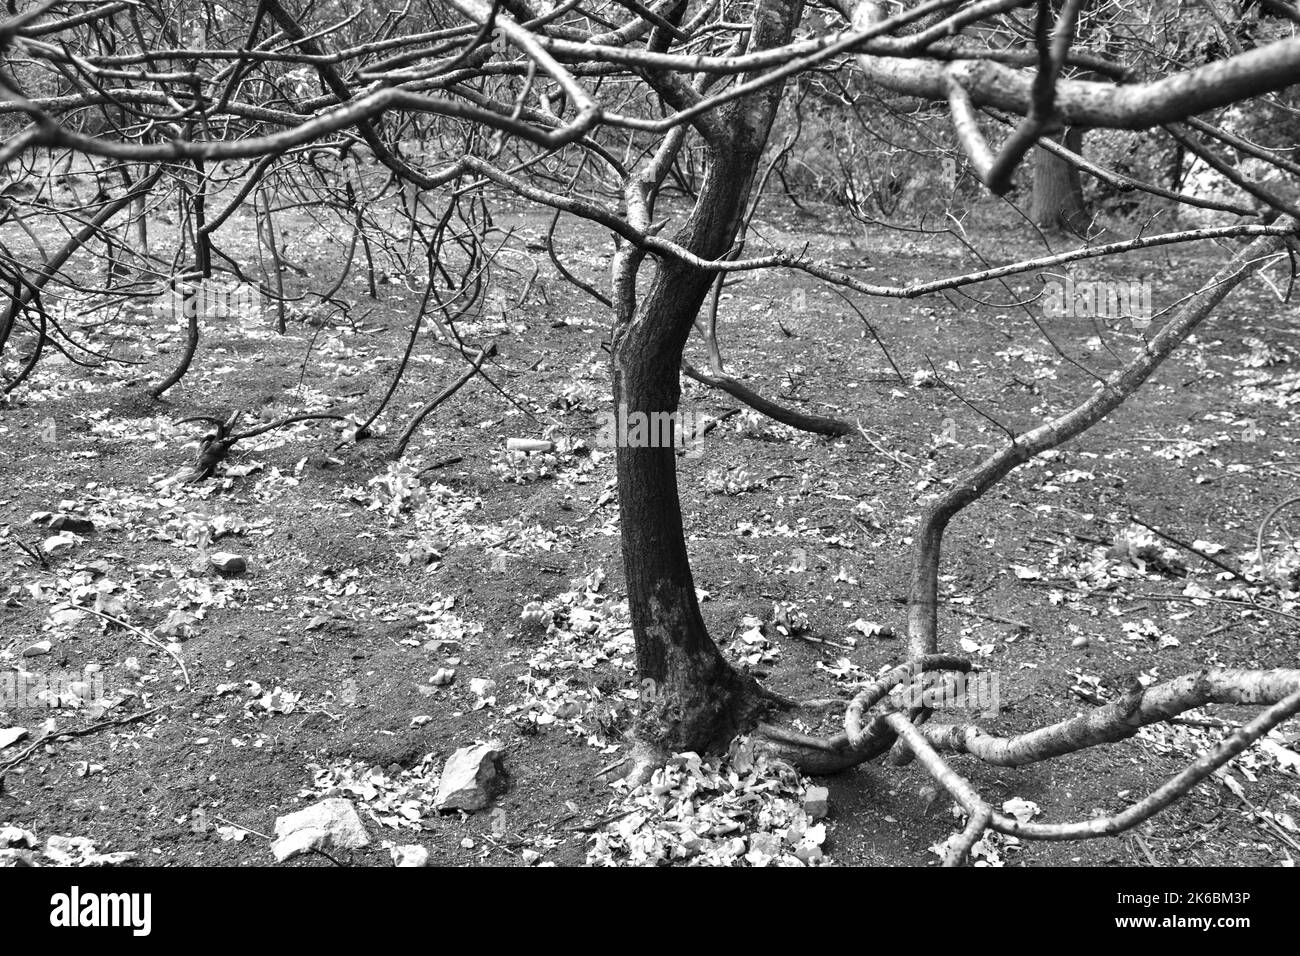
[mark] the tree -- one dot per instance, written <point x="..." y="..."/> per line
<point x="1058" y="187"/>
<point x="587" y="108"/>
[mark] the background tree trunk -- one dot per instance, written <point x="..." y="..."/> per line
<point x="1058" y="192"/>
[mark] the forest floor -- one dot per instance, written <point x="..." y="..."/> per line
<point x="313" y="672"/>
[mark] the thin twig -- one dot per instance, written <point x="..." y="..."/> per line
<point x="83" y="732"/>
<point x="147" y="638"/>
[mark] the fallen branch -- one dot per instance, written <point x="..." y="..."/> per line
<point x="1263" y="525"/>
<point x="84" y="731"/>
<point x="1164" y="795"/>
<point x="216" y="444"/>
<point x="957" y="785"/>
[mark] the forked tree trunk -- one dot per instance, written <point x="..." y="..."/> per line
<point x="1058" y="192"/>
<point x="692" y="698"/>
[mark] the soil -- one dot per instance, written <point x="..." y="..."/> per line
<point x="354" y="597"/>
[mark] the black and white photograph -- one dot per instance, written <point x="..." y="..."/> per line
<point x="655" y="434"/>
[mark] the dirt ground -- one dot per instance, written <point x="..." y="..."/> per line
<point x="315" y="671"/>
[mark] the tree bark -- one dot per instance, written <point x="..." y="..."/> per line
<point x="1058" y="191"/>
<point x="692" y="698"/>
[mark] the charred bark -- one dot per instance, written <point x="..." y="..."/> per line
<point x="693" y="699"/>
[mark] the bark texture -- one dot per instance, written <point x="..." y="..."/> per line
<point x="692" y="698"/>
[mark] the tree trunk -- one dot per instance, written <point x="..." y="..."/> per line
<point x="692" y="698"/>
<point x="1058" y="192"/>
<point x="1174" y="171"/>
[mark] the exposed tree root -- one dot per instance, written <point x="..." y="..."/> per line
<point x="216" y="444"/>
<point x="1119" y="719"/>
<point x="879" y="717"/>
<point x="639" y="765"/>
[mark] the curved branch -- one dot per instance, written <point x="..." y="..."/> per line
<point x="786" y="416"/>
<point x="1264" y="69"/>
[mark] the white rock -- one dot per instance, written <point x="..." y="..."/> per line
<point x="38" y="649"/>
<point x="816" y="802"/>
<point x="11" y="836"/>
<point x="466" y="776"/>
<point x="809" y="853"/>
<point x="11" y="735"/>
<point x="412" y="855"/>
<point x="81" y="851"/>
<point x="330" y="824"/>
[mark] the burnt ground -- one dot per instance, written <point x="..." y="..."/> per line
<point x="313" y="672"/>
